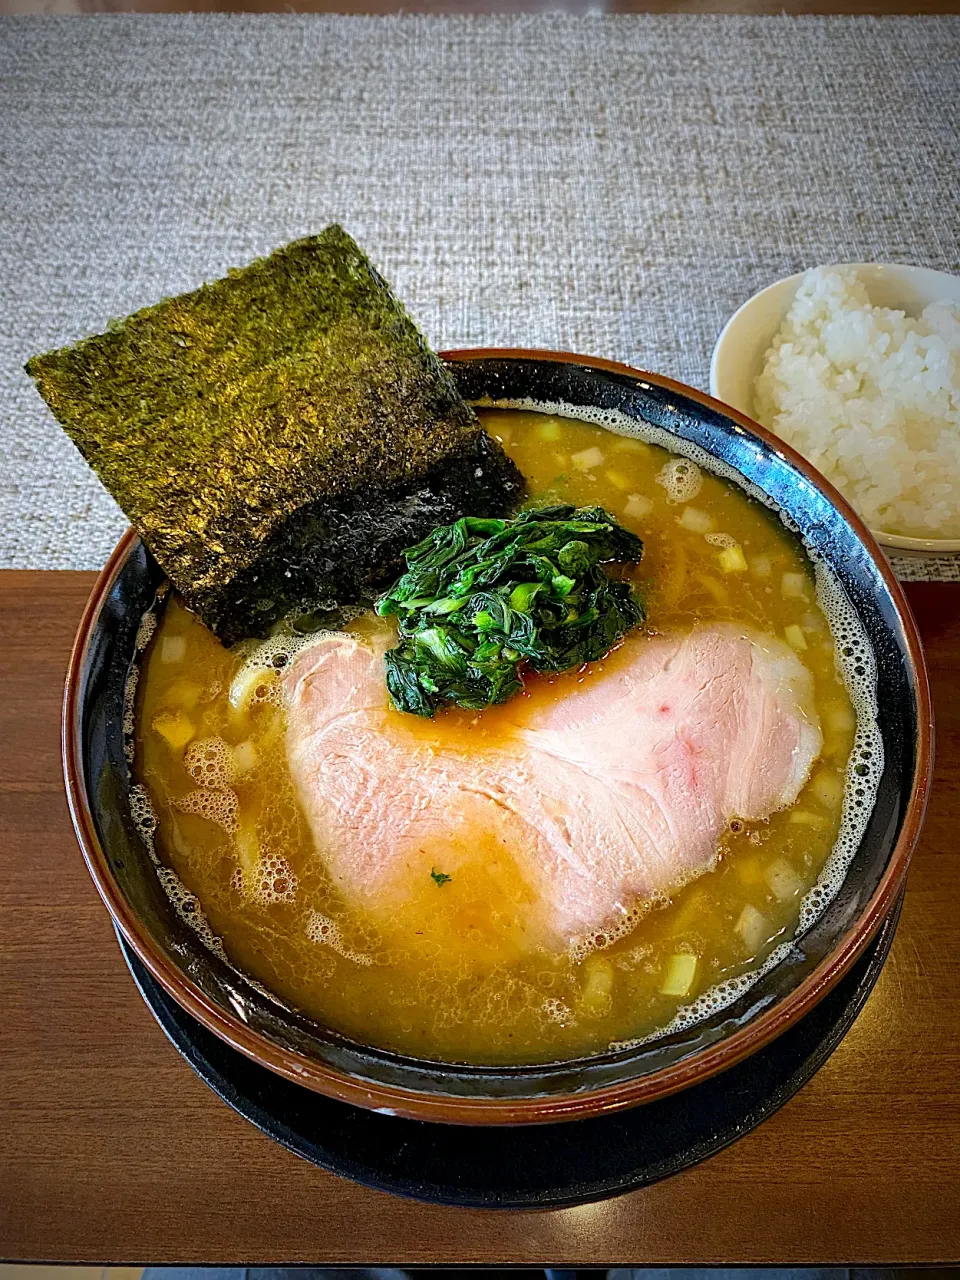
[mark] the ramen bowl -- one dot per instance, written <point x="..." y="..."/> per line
<point x="97" y="720"/>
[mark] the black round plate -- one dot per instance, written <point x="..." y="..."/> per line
<point x="529" y="1167"/>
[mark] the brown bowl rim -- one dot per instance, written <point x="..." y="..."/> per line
<point x="556" y="1107"/>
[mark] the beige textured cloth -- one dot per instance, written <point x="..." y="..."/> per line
<point x="615" y="186"/>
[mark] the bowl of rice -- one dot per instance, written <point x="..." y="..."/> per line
<point x="857" y="366"/>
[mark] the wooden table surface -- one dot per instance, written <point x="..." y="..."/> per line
<point x="113" y="1151"/>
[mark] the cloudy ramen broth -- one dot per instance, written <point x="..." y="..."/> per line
<point x="433" y="980"/>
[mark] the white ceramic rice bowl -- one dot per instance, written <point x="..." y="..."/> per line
<point x="748" y="334"/>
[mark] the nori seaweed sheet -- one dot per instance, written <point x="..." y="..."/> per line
<point x="278" y="436"/>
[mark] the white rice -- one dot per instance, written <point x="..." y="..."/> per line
<point x="872" y="399"/>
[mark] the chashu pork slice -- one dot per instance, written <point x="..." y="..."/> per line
<point x="615" y="793"/>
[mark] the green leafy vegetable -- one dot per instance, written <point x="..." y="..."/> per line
<point x="481" y="598"/>
<point x="440" y="878"/>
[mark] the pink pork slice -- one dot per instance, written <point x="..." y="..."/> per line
<point x="613" y="794"/>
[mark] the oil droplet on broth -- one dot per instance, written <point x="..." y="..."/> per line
<point x="474" y="902"/>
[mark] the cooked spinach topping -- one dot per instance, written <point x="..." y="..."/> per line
<point x="483" y="598"/>
<point x="440" y="878"/>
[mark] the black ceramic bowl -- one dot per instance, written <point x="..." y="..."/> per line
<point x="98" y="784"/>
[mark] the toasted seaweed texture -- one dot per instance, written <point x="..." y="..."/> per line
<point x="278" y="436"/>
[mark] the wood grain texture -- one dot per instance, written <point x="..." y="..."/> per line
<point x="111" y="1150"/>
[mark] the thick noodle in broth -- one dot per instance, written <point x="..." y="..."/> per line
<point x="447" y="976"/>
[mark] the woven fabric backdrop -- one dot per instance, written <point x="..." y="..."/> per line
<point x="615" y="186"/>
